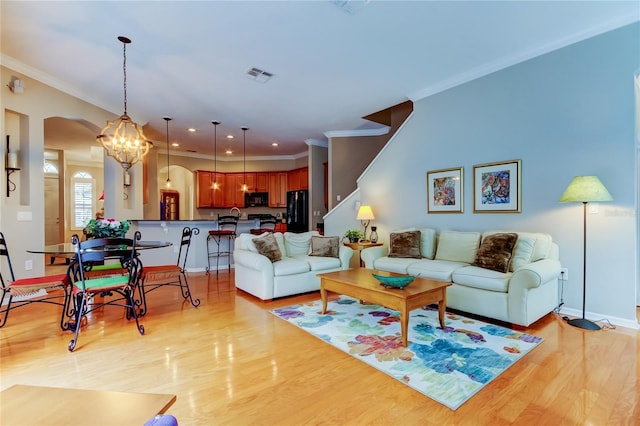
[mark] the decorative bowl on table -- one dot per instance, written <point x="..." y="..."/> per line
<point x="395" y="282"/>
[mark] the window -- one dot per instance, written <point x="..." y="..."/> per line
<point x="50" y="168"/>
<point x="83" y="189"/>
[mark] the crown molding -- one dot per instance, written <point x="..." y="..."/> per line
<point x="351" y="133"/>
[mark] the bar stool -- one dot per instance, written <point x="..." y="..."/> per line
<point x="267" y="224"/>
<point x="226" y="231"/>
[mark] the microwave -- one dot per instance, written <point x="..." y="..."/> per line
<point x="256" y="199"/>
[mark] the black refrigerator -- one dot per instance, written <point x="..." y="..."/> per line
<point x="298" y="211"/>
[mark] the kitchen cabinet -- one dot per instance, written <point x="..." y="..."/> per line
<point x="250" y="180"/>
<point x="233" y="193"/>
<point x="206" y="195"/>
<point x="278" y="189"/>
<point x="298" y="179"/>
<point x="262" y="182"/>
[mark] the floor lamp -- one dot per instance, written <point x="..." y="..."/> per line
<point x="585" y="189"/>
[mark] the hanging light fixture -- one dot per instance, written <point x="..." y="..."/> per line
<point x="168" y="119"/>
<point x="122" y="139"/>
<point x="244" y="158"/>
<point x="215" y="154"/>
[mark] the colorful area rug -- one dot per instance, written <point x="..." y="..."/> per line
<point x="448" y="366"/>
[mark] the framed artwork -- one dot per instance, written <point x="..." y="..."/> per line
<point x="444" y="191"/>
<point x="497" y="187"/>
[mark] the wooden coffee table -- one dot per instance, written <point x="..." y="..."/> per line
<point x="360" y="284"/>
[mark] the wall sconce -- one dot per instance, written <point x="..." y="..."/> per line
<point x="16" y="85"/>
<point x="11" y="165"/>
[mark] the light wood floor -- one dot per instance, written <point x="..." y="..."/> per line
<point x="231" y="362"/>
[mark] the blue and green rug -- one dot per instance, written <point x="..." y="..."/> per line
<point x="448" y="365"/>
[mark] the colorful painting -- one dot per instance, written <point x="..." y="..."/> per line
<point x="444" y="191"/>
<point x="496" y="187"/>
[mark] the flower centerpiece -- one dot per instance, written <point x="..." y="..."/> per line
<point x="107" y="228"/>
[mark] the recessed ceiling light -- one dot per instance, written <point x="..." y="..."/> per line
<point x="191" y="129"/>
<point x="229" y="152"/>
<point x="274" y="144"/>
<point x="175" y="144"/>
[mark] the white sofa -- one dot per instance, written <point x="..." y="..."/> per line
<point x="295" y="273"/>
<point x="522" y="295"/>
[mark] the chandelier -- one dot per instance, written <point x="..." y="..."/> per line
<point x="122" y="139"/>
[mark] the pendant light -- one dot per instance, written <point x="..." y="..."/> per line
<point x="167" y="119"/>
<point x="244" y="158"/>
<point x="122" y="139"/>
<point x="215" y="154"/>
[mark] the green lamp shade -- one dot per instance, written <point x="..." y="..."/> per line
<point x="585" y="189"/>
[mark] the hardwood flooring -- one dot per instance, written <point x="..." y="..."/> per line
<point x="231" y="362"/>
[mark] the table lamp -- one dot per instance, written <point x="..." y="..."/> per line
<point x="584" y="189"/>
<point x="365" y="215"/>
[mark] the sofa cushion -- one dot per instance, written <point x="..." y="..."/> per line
<point x="481" y="278"/>
<point x="394" y="264"/>
<point x="495" y="251"/>
<point x="290" y="266"/>
<point x="268" y="246"/>
<point x="531" y="247"/>
<point x="440" y="270"/>
<point x="298" y="244"/>
<point x="325" y="246"/>
<point x="427" y="242"/>
<point x="405" y="244"/>
<point x="458" y="246"/>
<point x="321" y="263"/>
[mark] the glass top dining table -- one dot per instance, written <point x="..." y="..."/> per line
<point x="69" y="248"/>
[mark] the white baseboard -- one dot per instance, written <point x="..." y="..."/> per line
<point x="22" y="297"/>
<point x="621" y="322"/>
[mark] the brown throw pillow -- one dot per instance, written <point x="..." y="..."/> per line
<point x="268" y="246"/>
<point x="405" y="244"/>
<point x="325" y="246"/>
<point x="496" y="252"/>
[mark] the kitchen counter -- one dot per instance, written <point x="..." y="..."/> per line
<point x="171" y="230"/>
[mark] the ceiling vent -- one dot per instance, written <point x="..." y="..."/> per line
<point x="351" y="6"/>
<point x="259" y="75"/>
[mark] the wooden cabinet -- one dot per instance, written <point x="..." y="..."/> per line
<point x="233" y="193"/>
<point x="298" y="179"/>
<point x="278" y="189"/>
<point x="250" y="180"/>
<point x="206" y="195"/>
<point x="262" y="182"/>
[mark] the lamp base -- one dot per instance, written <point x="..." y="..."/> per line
<point x="583" y="323"/>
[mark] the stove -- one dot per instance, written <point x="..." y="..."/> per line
<point x="254" y="216"/>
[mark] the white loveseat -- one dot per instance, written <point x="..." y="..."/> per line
<point x="522" y="295"/>
<point x="295" y="273"/>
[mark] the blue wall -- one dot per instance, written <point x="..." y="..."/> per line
<point x="566" y="113"/>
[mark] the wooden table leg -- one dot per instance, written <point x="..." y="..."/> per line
<point x="323" y="295"/>
<point x="404" y="325"/>
<point x="442" y="304"/>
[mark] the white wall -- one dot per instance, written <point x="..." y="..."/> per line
<point x="566" y="113"/>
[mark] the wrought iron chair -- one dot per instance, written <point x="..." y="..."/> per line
<point x="117" y="290"/>
<point x="226" y="231"/>
<point x="156" y="276"/>
<point x="52" y="289"/>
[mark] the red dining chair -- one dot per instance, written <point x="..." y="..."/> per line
<point x="51" y="289"/>
<point x="156" y="276"/>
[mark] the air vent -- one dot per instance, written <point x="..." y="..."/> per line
<point x="259" y="75"/>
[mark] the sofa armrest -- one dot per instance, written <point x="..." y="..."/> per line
<point x="370" y="254"/>
<point x="345" y="253"/>
<point x="535" y="274"/>
<point x="252" y="260"/>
